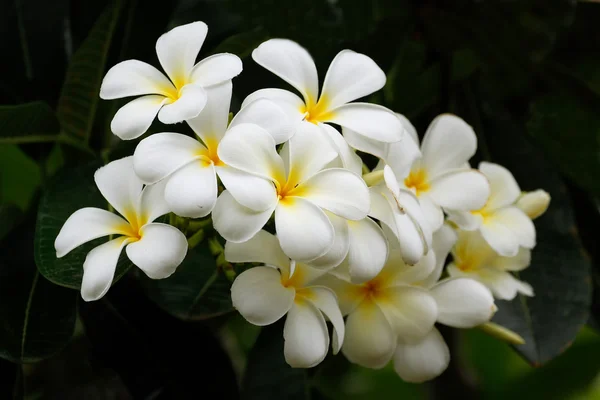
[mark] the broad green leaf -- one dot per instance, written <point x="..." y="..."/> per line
<point x="267" y="374"/>
<point x="80" y="94"/>
<point x="20" y="177"/>
<point x="28" y="123"/>
<point x="69" y="191"/>
<point x="38" y="317"/>
<point x="197" y="290"/>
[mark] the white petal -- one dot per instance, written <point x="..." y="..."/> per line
<point x="262" y="247"/>
<point x="178" y="48"/>
<point x="350" y="160"/>
<point x="216" y="69"/>
<point x="325" y="300"/>
<point x="303" y="229"/>
<point x="292" y="63"/>
<point x="88" y="224"/>
<point x="433" y="213"/>
<point x="99" y="268"/>
<point x="368" y="250"/>
<point x="519" y="224"/>
<point x="463" y="302"/>
<point x="351" y="76"/>
<point x="411" y="274"/>
<point x="417" y="362"/>
<point x="442" y="242"/>
<point x="338" y="191"/>
<point x="460" y="190"/>
<point x="516" y="263"/>
<point x="465" y="220"/>
<point x="504" y="188"/>
<point x="414" y="234"/>
<point x="249" y="190"/>
<point x="305" y="334"/>
<point x="268" y="115"/>
<point x="370" y="340"/>
<point x="235" y="222"/>
<point x="134" y="118"/>
<point x="260" y="297"/>
<point x="338" y="251"/>
<point x="161" y="154"/>
<point x="349" y="296"/>
<point x="120" y="186"/>
<point x="391" y="181"/>
<point x="370" y="120"/>
<point x="500" y="237"/>
<point x="192" y="190"/>
<point x="409" y="127"/>
<point x="210" y="125"/>
<point x="411" y="311"/>
<point x="448" y="143"/>
<point x="289" y="102"/>
<point x="534" y="203"/>
<point x="252" y="149"/>
<point x="503" y="284"/>
<point x="153" y="203"/>
<point x="192" y="99"/>
<point x="132" y="78"/>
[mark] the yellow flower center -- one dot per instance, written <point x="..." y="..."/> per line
<point x="317" y="112"/>
<point x="296" y="280"/>
<point x="417" y="180"/>
<point x="209" y="155"/>
<point x="136" y="222"/>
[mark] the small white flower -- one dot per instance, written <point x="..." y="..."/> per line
<point x="180" y="96"/>
<point x="474" y="258"/>
<point x="503" y="225"/>
<point x="190" y="166"/>
<point x="294" y="186"/>
<point x="264" y="294"/>
<point x="157" y="249"/>
<point x="534" y="203"/>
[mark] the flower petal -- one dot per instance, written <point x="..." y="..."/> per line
<point x="350" y="160"/>
<point x="442" y="242"/>
<point x="534" y="203"/>
<point x="153" y="203"/>
<point x="414" y="233"/>
<point x="516" y="263"/>
<point x="216" y="69"/>
<point x="262" y="247"/>
<point x="134" y="118"/>
<point x="325" y="300"/>
<point x="192" y="190"/>
<point x="368" y="250"/>
<point x="339" y="250"/>
<point x="411" y="274"/>
<point x="88" y="224"/>
<point x="249" y="190"/>
<point x="500" y="237"/>
<point x="432" y="212"/>
<point x="178" y="48"/>
<point x="235" y="222"/>
<point x="292" y="63"/>
<point x="260" y="297"/>
<point x="133" y="78"/>
<point x="99" y="268"/>
<point x="370" y="340"/>
<point x="504" y="188"/>
<point x="503" y="284"/>
<point x="289" y="102"/>
<point x="192" y="99"/>
<point x="370" y="120"/>
<point x="338" y="191"/>
<point x="417" y="362"/>
<point x="159" y="251"/>
<point x="351" y="76"/>
<point x="518" y="223"/>
<point x="460" y="190"/>
<point x="211" y="124"/>
<point x="411" y="311"/>
<point x="269" y="116"/>
<point x="448" y="143"/>
<point x="161" y="154"/>
<point x="465" y="220"/>
<point x="409" y="127"/>
<point x="120" y="186"/>
<point x="303" y="229"/>
<point x="305" y="334"/>
<point x="463" y="302"/>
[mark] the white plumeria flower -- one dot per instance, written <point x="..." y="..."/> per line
<point x="439" y="175"/>
<point x="155" y="248"/>
<point x="294" y="186"/>
<point x="177" y="98"/>
<point x="190" y="166"/>
<point x="534" y="204"/>
<point x="503" y="225"/>
<point x="461" y="303"/>
<point x="350" y="76"/>
<point x="264" y="294"/>
<point x="473" y="257"/>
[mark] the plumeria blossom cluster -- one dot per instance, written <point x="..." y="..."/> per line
<point x="326" y="238"/>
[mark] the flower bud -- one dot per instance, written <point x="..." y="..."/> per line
<point x="534" y="203"/>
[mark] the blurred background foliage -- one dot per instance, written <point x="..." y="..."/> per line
<point x="524" y="73"/>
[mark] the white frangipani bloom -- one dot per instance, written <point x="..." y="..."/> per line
<point x="474" y="258"/>
<point x="155" y="248"/>
<point x="502" y="223"/>
<point x="179" y="97"/>
<point x="439" y="175"/>
<point x="264" y="294"/>
<point x="294" y="186"/>
<point x="534" y="203"/>
<point x="190" y="166"/>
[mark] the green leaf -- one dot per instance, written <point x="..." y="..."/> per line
<point x="28" y="123"/>
<point x="267" y="374"/>
<point x="80" y="93"/>
<point x="69" y="191"/>
<point x="38" y="317"/>
<point x="20" y="177"/>
<point x="197" y="290"/>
